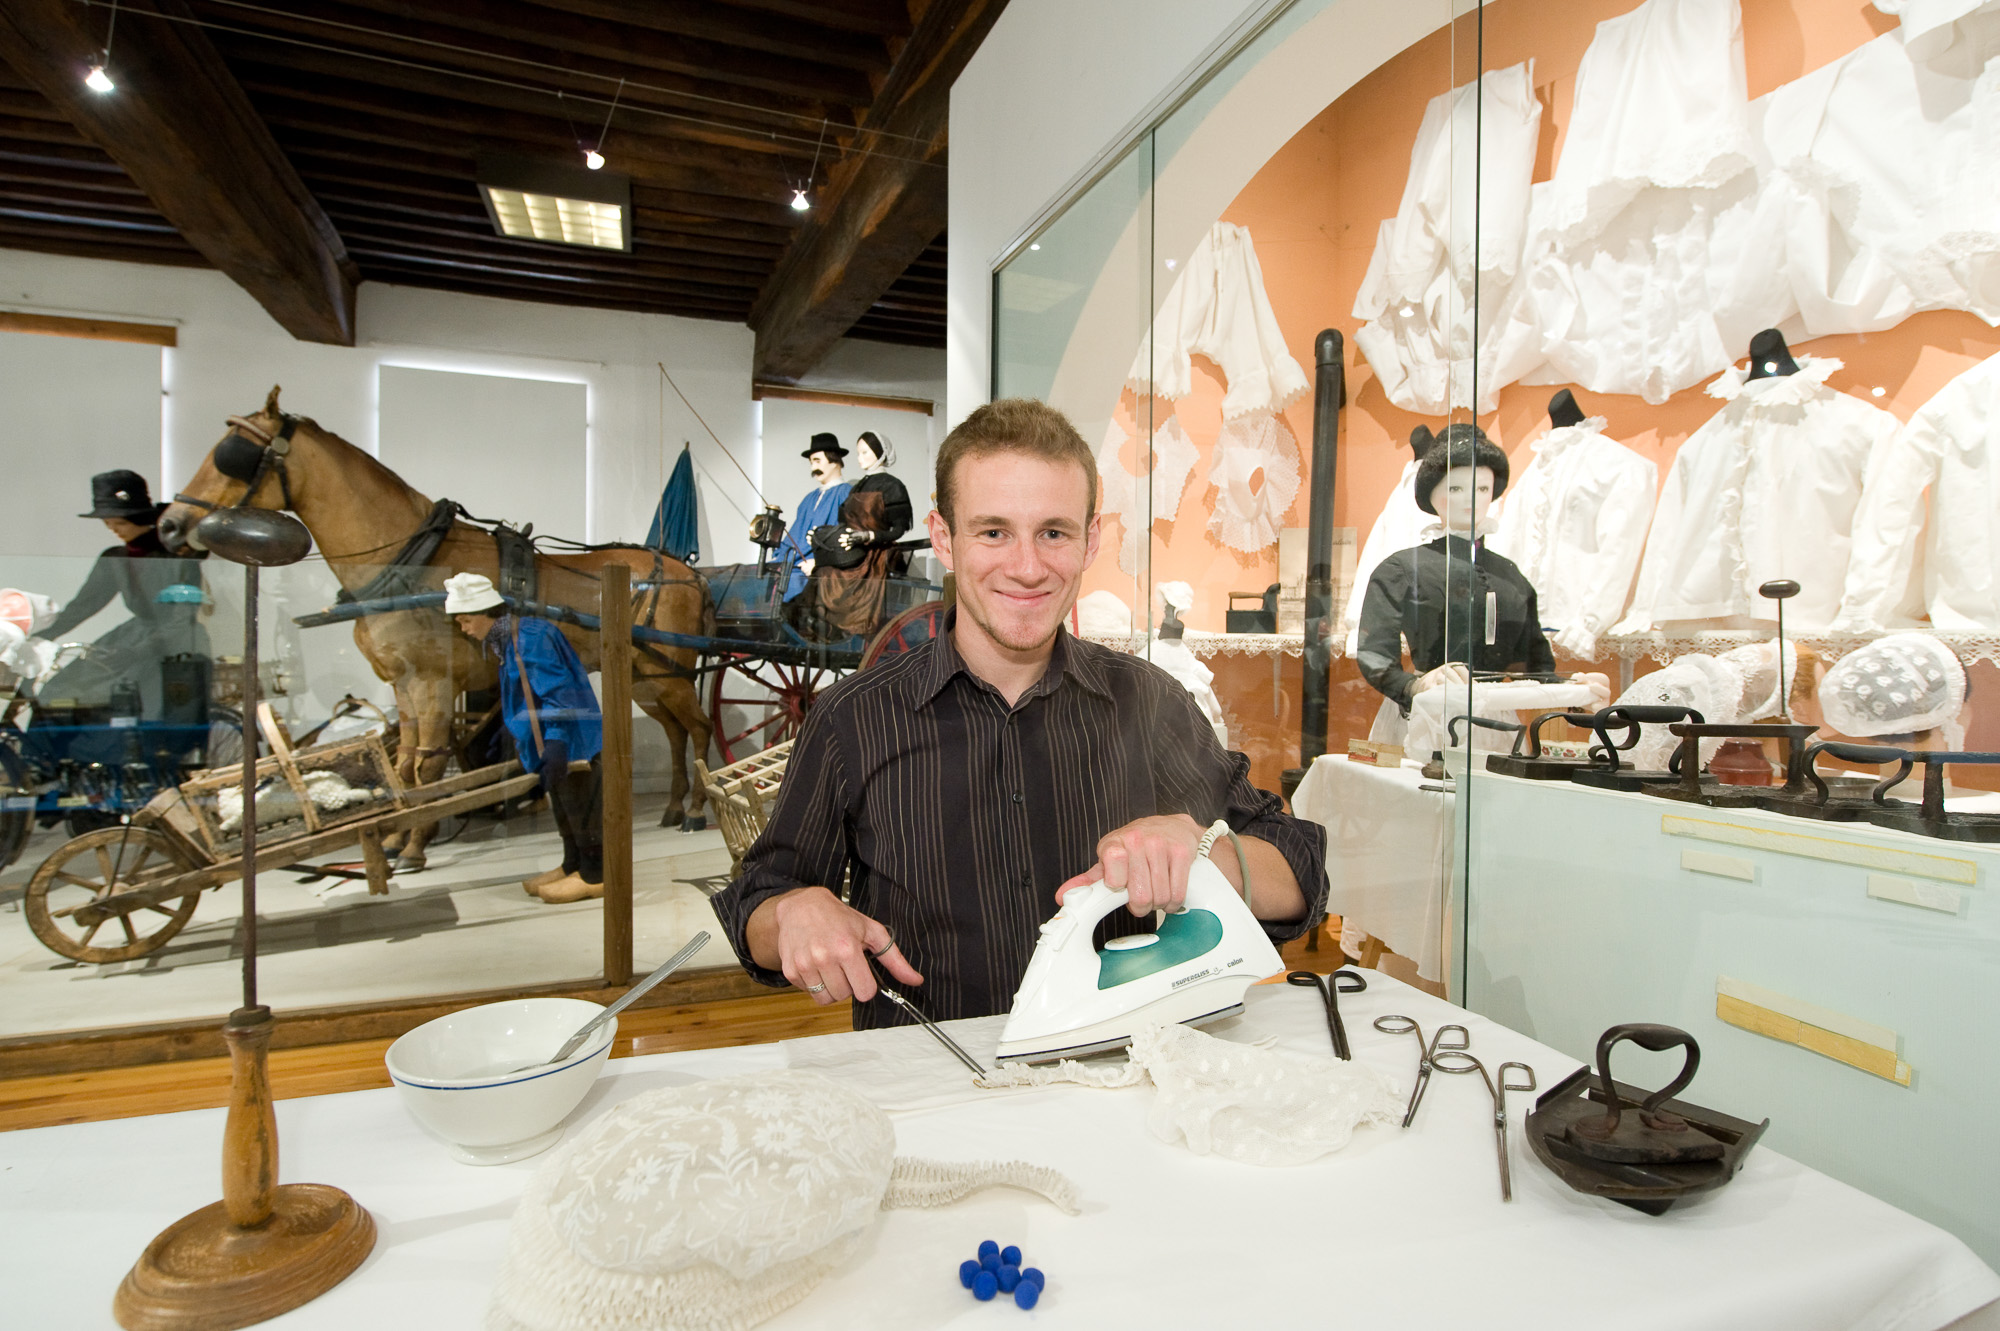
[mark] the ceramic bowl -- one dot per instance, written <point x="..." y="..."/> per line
<point x="456" y="1075"/>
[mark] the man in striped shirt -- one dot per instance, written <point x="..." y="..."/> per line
<point x="970" y="783"/>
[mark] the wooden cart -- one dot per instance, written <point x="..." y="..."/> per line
<point x="135" y="886"/>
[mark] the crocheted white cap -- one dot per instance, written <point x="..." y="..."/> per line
<point x="1894" y="686"/>
<point x="715" y="1206"/>
<point x="1695" y="680"/>
<point x="1761" y="695"/>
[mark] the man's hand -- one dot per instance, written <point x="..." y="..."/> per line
<point x="1148" y="860"/>
<point x="822" y="945"/>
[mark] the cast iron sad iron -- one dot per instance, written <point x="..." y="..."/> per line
<point x="1931" y="818"/>
<point x="1692" y="789"/>
<point x="1611" y="774"/>
<point x="1438" y="770"/>
<point x="1641" y="1149"/>
<point x="1843" y="799"/>
<point x="1535" y="765"/>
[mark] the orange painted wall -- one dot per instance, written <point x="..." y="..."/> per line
<point x="1313" y="212"/>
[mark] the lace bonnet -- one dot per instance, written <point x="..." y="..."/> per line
<point x="716" y="1206"/>
<point x="1896" y="685"/>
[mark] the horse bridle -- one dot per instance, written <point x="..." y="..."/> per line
<point x="250" y="453"/>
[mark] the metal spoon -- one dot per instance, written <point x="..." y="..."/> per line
<point x="632" y="995"/>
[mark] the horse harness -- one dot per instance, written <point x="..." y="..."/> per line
<point x="249" y="453"/>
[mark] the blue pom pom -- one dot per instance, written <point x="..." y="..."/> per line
<point x="988" y="1248"/>
<point x="984" y="1286"/>
<point x="1032" y="1275"/>
<point x="1009" y="1276"/>
<point x="1010" y="1255"/>
<point x="966" y="1271"/>
<point x="1026" y="1293"/>
<point x="991" y="1261"/>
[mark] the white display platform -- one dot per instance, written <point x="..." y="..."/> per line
<point x="1588" y="906"/>
<point x="1388" y="854"/>
<point x="1402" y="1228"/>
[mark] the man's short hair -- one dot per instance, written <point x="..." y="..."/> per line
<point x="1013" y="425"/>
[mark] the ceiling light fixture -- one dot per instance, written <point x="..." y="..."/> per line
<point x="594" y="160"/>
<point x="97" y="80"/>
<point x="800" y="203"/>
<point x="557" y="203"/>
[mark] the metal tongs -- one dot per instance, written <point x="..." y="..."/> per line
<point x="937" y="1033"/>
<point x="1426" y="1054"/>
<point x="1459" y="1061"/>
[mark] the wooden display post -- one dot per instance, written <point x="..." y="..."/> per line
<point x="265" y="1248"/>
<point x="614" y="625"/>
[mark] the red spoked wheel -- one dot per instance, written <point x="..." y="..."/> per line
<point x="756" y="703"/>
<point x="906" y="632"/>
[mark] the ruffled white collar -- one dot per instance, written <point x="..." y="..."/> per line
<point x="1787" y="390"/>
<point x="1435" y="529"/>
<point x="1555" y="440"/>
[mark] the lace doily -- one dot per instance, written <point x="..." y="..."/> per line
<point x="1256" y="477"/>
<point x="716" y="1205"/>
<point x="1247" y="1103"/>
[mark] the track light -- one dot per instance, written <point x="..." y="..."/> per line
<point x="594" y="159"/>
<point x="97" y="80"/>
<point x="799" y="201"/>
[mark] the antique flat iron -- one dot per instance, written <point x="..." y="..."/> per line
<point x="1076" y="1000"/>
<point x="1535" y="765"/>
<point x="1692" y="789"/>
<point x="1604" y="771"/>
<point x="1843" y="799"/>
<point x="1645" y="1150"/>
<point x="1931" y="818"/>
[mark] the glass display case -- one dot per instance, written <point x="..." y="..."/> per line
<point x="1629" y="365"/>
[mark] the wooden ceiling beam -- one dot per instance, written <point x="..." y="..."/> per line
<point x="81" y="156"/>
<point x="133" y="246"/>
<point x="367" y="229"/>
<point x="44" y="196"/>
<point x="884" y="18"/>
<point x="438" y="44"/>
<point x="67" y="176"/>
<point x="687" y="307"/>
<point x="26" y="130"/>
<point x="798" y="38"/>
<point x="879" y="212"/>
<point x="497" y="268"/>
<point x="736" y="69"/>
<point x="185" y="132"/>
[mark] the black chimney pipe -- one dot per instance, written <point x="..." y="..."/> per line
<point x="1321" y="617"/>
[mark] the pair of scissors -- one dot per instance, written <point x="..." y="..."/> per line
<point x="1330" y="989"/>
<point x="1426" y="1054"/>
<point x="1457" y="1062"/>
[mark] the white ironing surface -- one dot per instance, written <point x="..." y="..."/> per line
<point x="1075" y="1000"/>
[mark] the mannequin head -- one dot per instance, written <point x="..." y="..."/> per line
<point x="1460" y="476"/>
<point x="825" y="456"/>
<point x="874" y="454"/>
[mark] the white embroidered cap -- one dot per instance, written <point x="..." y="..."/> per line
<point x="1896" y="685"/>
<point x="470" y="593"/>
<point x="717" y="1205"/>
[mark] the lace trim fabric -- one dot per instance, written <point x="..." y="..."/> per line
<point x="1789" y="390"/>
<point x="1662" y="647"/>
<point x="717" y="1205"/>
<point x="1209" y="644"/>
<point x="1248" y="1103"/>
<point x="1255" y="449"/>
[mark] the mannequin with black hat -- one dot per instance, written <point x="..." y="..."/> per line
<point x="1454" y="602"/>
<point x="820" y="508"/>
<point x="161" y="591"/>
<point x="857" y="559"/>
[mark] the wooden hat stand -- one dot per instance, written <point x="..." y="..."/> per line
<point x="266" y="1247"/>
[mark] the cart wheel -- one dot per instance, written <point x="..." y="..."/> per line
<point x="93" y="866"/>
<point x="906" y="632"/>
<point x="775" y="695"/>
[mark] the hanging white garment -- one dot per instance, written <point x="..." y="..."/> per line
<point x="1139" y="502"/>
<point x="1218" y="308"/>
<point x="1951" y="559"/>
<point x="1927" y="27"/>
<point x="1172" y="655"/>
<point x="1256" y="477"/>
<point x="1654" y="189"/>
<point x="1766" y="489"/>
<point x="1575" y="524"/>
<point x="1425" y="279"/>
<point x="1882" y="193"/>
<point x="1399" y="526"/>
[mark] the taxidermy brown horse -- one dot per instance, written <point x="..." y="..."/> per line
<point x="360" y="514"/>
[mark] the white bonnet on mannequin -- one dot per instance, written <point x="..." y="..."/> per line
<point x="1898" y="685"/>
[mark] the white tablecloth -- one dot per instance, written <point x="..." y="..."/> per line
<point x="1403" y="1228"/>
<point x="1388" y="853"/>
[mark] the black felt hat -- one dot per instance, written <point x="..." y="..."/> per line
<point x="826" y="443"/>
<point x="121" y="494"/>
<point x="1458" y="445"/>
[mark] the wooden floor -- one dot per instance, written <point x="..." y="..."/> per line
<point x="164" y="1088"/>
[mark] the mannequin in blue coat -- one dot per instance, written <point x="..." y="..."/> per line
<point x="820" y="508"/>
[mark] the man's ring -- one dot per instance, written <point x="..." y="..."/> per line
<point x="815" y="988"/>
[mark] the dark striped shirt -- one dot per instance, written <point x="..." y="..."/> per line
<point x="960" y="816"/>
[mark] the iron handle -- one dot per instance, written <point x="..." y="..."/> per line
<point x="1647" y="1035"/>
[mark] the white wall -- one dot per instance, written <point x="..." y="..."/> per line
<point x="1052" y="85"/>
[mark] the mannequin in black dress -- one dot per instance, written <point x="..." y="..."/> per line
<point x="856" y="559"/>
<point x="1453" y="601"/>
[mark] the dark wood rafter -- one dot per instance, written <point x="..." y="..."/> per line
<point x="187" y="135"/>
<point x="380" y="111"/>
<point x="880" y="210"/>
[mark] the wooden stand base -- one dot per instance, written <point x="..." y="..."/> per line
<point x="204" y="1271"/>
<point x="263" y="1249"/>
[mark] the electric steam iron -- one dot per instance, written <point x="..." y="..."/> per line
<point x="1077" y="1000"/>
